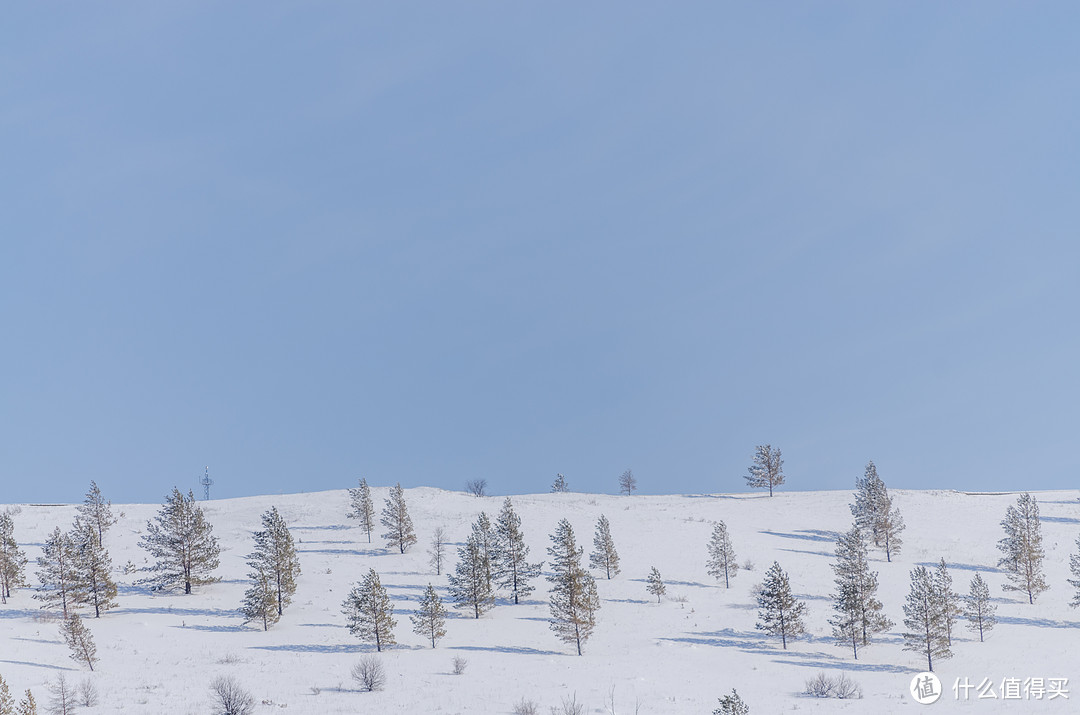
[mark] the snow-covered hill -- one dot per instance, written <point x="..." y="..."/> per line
<point x="158" y="653"/>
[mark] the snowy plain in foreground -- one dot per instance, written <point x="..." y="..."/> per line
<point x="158" y="653"/>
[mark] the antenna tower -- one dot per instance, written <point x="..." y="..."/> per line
<point x="206" y="482"/>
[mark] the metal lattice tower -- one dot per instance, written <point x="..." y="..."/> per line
<point x="206" y="482"/>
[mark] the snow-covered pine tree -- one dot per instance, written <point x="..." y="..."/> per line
<point x="7" y="703"/>
<point x="559" y="485"/>
<point x="858" y="611"/>
<point x="275" y="554"/>
<point x="183" y="544"/>
<point x="767" y="470"/>
<point x="370" y="613"/>
<point x="97" y="512"/>
<point x="61" y="696"/>
<point x="469" y="584"/>
<point x="656" y="584"/>
<point x="1022" y="546"/>
<point x="574" y="600"/>
<point x="261" y="598"/>
<point x="948" y="600"/>
<point x="875" y="514"/>
<point x="604" y="556"/>
<point x="978" y="608"/>
<point x="395" y="518"/>
<point x="511" y="554"/>
<point x="722" y="563"/>
<point x="362" y="508"/>
<point x="57" y="573"/>
<point x="779" y="612"/>
<point x="732" y="705"/>
<point x="1074" y="569"/>
<point x="627" y="482"/>
<point x="79" y="641"/>
<point x="27" y="706"/>
<point x="485" y="537"/>
<point x="429" y="620"/>
<point x="437" y="550"/>
<point x="94" y="585"/>
<point x="12" y="558"/>
<point x="924" y="619"/>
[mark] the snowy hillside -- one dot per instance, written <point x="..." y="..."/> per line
<point x="158" y="653"/>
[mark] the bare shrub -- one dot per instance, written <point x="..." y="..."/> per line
<point x="526" y="707"/>
<point x="62" y="696"/>
<point x="748" y="565"/>
<point x="459" y="664"/>
<point x="231" y="699"/>
<point x="229" y="659"/>
<point x="826" y="686"/>
<point x="369" y="673"/>
<point x="570" y="706"/>
<point x="87" y="695"/>
<point x="476" y="487"/>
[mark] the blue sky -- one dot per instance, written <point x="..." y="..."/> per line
<point x="431" y="242"/>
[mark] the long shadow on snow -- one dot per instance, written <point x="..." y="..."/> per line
<point x="816" y="660"/>
<point x="748" y="641"/>
<point x="166" y="611"/>
<point x="342" y="552"/>
<point x="507" y="649"/>
<point x="1040" y="622"/>
<point x="960" y="567"/>
<point x="312" y="648"/>
<point x="1060" y="519"/>
<point x="328" y="527"/>
<point x="812" y="553"/>
<point x="215" y="629"/>
<point x="805" y="535"/>
<point x="36" y="665"/>
<point x="19" y="613"/>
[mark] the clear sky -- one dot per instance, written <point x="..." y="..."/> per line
<point x="429" y="242"/>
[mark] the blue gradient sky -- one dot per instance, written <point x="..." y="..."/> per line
<point x="429" y="242"/>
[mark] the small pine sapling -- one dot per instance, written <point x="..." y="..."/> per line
<point x="656" y="584"/>
<point x="79" y="641"/>
<point x="948" y="600"/>
<point x="362" y="508"/>
<point x="7" y="703"/>
<point x="429" y="621"/>
<point x="979" y="610"/>
<point x="779" y="612"/>
<point x="395" y="518"/>
<point x="437" y="550"/>
<point x="732" y="705"/>
<point x="57" y="573"/>
<point x="27" y="706"/>
<point x="604" y="556"/>
<point x="559" y="485"/>
<point x="722" y="561"/>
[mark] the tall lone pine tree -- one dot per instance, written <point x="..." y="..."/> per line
<point x="1022" y="548"/>
<point x="875" y="514"/>
<point x="779" y="612"/>
<point x="721" y="563"/>
<point x="395" y="518"/>
<point x="362" y="508"/>
<point x="369" y="612"/>
<point x="275" y="566"/>
<point x="182" y="541"/>
<point x="574" y="600"/>
<point x="767" y="470"/>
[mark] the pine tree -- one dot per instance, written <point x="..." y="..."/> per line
<point x="437" y="551"/>
<point x="7" y="703"/>
<point x="1022" y="546"/>
<point x="79" y="641"/>
<point x="57" y="573"/>
<point x="948" y="600"/>
<point x="469" y="584"/>
<point x="275" y="554"/>
<point x="27" y="706"/>
<point x="978" y="609"/>
<point x="12" y="558"/>
<point x="395" y="517"/>
<point x="94" y="585"/>
<point x="627" y="483"/>
<point x="1074" y="568"/>
<point x="362" y="507"/>
<point x="97" y="512"/>
<point x="574" y="600"/>
<point x="925" y="620"/>
<point x="559" y="485"/>
<point x="604" y="556"/>
<point x="767" y="470"/>
<point x="858" y="612"/>
<point x="656" y="584"/>
<point x="732" y="705"/>
<point x="875" y="514"/>
<point x="779" y="612"/>
<point x="429" y="620"/>
<point x="182" y="541"/>
<point x="485" y="538"/>
<point x="261" y="598"/>
<point x="370" y="613"/>
<point x="61" y="696"/>
<point x="511" y="554"/>
<point x="722" y="561"/>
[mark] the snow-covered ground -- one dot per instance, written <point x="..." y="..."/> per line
<point x="158" y="653"/>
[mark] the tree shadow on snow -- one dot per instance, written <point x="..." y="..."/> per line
<point x="342" y="552"/>
<point x="215" y="629"/>
<point x="37" y="665"/>
<point x="507" y="649"/>
<point x="960" y="567"/>
<point x="1060" y="519"/>
<point x="805" y="534"/>
<point x="626" y="600"/>
<point x="812" y="553"/>
<point x="817" y="660"/>
<point x="1040" y="622"/>
<point x="166" y="611"/>
<point x="19" y="613"/>
<point x="315" y="648"/>
<point x="327" y="527"/>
